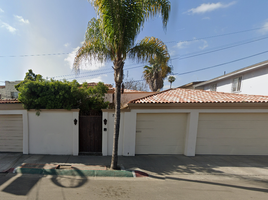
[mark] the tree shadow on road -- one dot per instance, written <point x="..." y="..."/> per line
<point x="22" y="185"/>
<point x="71" y="181"/>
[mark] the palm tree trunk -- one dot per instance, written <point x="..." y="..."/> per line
<point x="118" y="77"/>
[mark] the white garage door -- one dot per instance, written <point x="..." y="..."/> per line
<point x="232" y="134"/>
<point x="11" y="133"/>
<point x="160" y="133"/>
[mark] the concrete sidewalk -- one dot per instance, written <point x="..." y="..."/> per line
<point x="158" y="166"/>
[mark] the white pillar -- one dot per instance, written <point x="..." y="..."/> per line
<point x="25" y="132"/>
<point x="191" y="133"/>
<point x="75" y="134"/>
<point x="105" y="133"/>
<point x="129" y="134"/>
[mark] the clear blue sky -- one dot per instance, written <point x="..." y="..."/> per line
<point x="30" y="30"/>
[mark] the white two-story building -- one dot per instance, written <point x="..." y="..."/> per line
<point x="249" y="80"/>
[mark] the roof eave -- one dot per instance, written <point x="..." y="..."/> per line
<point x="240" y="71"/>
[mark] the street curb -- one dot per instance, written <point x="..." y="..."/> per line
<point x="75" y="172"/>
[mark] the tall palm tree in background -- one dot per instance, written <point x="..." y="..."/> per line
<point x="171" y="79"/>
<point x="111" y="37"/>
<point x="155" y="74"/>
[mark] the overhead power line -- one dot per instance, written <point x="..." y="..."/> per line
<point x="214" y="66"/>
<point x="220" y="35"/>
<point x="219" y="49"/>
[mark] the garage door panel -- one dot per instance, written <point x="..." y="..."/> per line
<point x="160" y="133"/>
<point x="232" y="134"/>
<point x="233" y="142"/>
<point x="11" y="133"/>
<point x="158" y="141"/>
<point x="221" y="124"/>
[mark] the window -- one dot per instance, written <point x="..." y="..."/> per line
<point x="14" y="95"/>
<point x="213" y="87"/>
<point x="236" y="86"/>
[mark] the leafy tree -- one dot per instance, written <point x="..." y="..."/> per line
<point x="171" y="79"/>
<point x="112" y="37"/>
<point x="135" y="85"/>
<point x="30" y="76"/>
<point x="37" y="93"/>
<point x="94" y="98"/>
<point x="156" y="73"/>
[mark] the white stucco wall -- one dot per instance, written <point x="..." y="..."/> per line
<point x="127" y="138"/>
<point x="127" y="133"/>
<point x="53" y="132"/>
<point x="253" y="82"/>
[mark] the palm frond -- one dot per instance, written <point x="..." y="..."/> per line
<point x="154" y="7"/>
<point x="94" y="46"/>
<point x="148" y="48"/>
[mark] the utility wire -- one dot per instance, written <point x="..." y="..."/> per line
<point x="220" y="64"/>
<point x="214" y="36"/>
<point x="186" y="55"/>
<point x="219" y="49"/>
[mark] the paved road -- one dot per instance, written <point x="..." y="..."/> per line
<point x="172" y="177"/>
<point x="182" y="187"/>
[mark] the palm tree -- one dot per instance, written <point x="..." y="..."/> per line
<point x="171" y="79"/>
<point x="112" y="37"/>
<point x="155" y="74"/>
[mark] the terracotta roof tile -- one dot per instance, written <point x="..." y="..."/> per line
<point x="179" y="95"/>
<point x="9" y="101"/>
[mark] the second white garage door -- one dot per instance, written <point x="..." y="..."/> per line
<point x="232" y="134"/>
<point x="160" y="133"/>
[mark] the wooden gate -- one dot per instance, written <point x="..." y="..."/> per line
<point x="90" y="134"/>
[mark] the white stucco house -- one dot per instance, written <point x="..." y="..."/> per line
<point x="248" y="80"/>
<point x="175" y="121"/>
<point x="126" y="96"/>
<point x="8" y="91"/>
<point x="190" y="122"/>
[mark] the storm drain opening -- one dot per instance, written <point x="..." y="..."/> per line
<point x="64" y="167"/>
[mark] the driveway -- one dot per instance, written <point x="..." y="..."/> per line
<point x="156" y="165"/>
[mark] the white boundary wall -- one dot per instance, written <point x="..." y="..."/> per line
<point x="53" y="132"/>
<point x="127" y="135"/>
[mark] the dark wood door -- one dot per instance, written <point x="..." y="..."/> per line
<point x="90" y="134"/>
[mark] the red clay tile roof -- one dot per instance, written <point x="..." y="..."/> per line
<point x="9" y="101"/>
<point x="179" y="95"/>
<point x="2" y="86"/>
